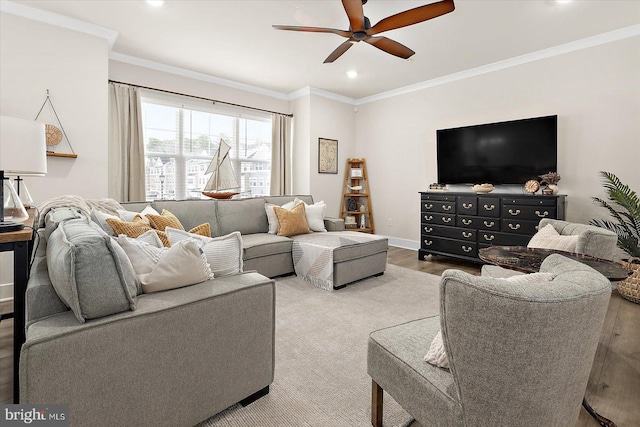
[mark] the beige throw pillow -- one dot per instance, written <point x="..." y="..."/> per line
<point x="293" y="222"/>
<point x="271" y="215"/>
<point x="549" y="238"/>
<point x="437" y="355"/>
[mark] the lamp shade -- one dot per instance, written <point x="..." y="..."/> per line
<point x="23" y="147"/>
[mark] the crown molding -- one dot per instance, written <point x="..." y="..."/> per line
<point x="611" y="36"/>
<point x="196" y="75"/>
<point x="58" y="20"/>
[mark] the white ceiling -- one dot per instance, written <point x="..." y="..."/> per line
<point x="234" y="39"/>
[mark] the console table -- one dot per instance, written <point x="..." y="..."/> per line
<point x="458" y="224"/>
<point x="18" y="242"/>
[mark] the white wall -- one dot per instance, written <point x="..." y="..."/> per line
<point x="301" y="140"/>
<point x="332" y="120"/>
<point x="595" y="92"/>
<point x="35" y="57"/>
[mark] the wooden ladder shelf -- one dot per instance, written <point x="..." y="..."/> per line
<point x="356" y="199"/>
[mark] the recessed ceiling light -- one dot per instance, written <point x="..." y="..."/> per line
<point x="352" y="74"/>
<point x="155" y="3"/>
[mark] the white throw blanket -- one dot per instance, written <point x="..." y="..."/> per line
<point x="313" y="254"/>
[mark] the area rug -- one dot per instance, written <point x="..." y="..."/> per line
<point x="321" y="350"/>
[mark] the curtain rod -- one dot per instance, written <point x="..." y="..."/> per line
<point x="215" y="101"/>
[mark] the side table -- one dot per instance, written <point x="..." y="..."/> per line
<point x="20" y="243"/>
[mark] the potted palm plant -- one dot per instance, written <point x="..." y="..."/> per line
<point x="623" y="205"/>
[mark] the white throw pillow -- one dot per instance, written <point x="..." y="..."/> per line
<point x="100" y="218"/>
<point x="182" y="264"/>
<point x="143" y="252"/>
<point x="129" y="215"/>
<point x="437" y="355"/>
<point x="271" y="215"/>
<point x="315" y="215"/>
<point x="549" y="238"/>
<point x="224" y="253"/>
<point x="530" y="279"/>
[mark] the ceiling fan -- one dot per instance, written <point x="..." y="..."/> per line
<point x="360" y="28"/>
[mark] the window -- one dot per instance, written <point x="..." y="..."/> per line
<point x="180" y="141"/>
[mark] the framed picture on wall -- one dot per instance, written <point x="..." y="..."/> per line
<point x="327" y="155"/>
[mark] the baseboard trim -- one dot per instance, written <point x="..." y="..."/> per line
<point x="6" y="292"/>
<point x="413" y="245"/>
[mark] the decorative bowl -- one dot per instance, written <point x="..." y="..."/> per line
<point x="483" y="188"/>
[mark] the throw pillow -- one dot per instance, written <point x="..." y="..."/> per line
<point x="142" y="254"/>
<point x="293" y="222"/>
<point x="135" y="228"/>
<point x="129" y="215"/>
<point x="164" y="220"/>
<point x="224" y="253"/>
<point x="549" y="238"/>
<point x="437" y="355"/>
<point x="315" y="215"/>
<point x="182" y="264"/>
<point x="100" y="218"/>
<point x="89" y="271"/>
<point x="271" y="215"/>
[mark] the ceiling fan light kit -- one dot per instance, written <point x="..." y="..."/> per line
<point x="360" y="28"/>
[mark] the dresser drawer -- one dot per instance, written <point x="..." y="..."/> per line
<point x="438" y="219"/>
<point x="528" y="212"/>
<point x="450" y="232"/>
<point x="441" y="244"/>
<point x="529" y="201"/>
<point x="489" y="206"/>
<point x="502" y="239"/>
<point x="519" y="226"/>
<point x="438" y="206"/>
<point x="467" y="205"/>
<point x="439" y="197"/>
<point x="486" y="223"/>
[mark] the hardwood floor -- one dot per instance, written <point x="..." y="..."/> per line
<point x="614" y="384"/>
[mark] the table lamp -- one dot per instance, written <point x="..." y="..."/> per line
<point x="23" y="152"/>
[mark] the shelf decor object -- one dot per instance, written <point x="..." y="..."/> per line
<point x="356" y="199"/>
<point x="55" y="134"/>
<point x="327" y="155"/>
<point x="22" y="153"/>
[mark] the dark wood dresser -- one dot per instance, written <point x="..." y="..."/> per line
<point x="458" y="224"/>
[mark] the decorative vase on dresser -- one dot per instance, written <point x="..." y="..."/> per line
<point x="458" y="224"/>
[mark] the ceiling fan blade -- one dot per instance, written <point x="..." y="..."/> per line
<point x="355" y="13"/>
<point x="313" y="30"/>
<point x="412" y="16"/>
<point x="338" y="52"/>
<point x="390" y="46"/>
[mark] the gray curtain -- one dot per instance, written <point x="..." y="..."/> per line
<point x="126" y="146"/>
<point x="281" y="155"/>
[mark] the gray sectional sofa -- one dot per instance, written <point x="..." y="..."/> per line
<point x="182" y="355"/>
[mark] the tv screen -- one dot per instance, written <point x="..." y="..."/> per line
<point x="498" y="153"/>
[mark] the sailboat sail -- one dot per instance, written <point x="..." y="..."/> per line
<point x="223" y="175"/>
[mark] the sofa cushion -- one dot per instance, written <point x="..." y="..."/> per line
<point x="262" y="244"/>
<point x="90" y="273"/>
<point x="244" y="215"/>
<point x="351" y="250"/>
<point x="57" y="215"/>
<point x="192" y="212"/>
<point x="224" y="253"/>
<point x="292" y="222"/>
<point x="164" y="220"/>
<point x="281" y="200"/>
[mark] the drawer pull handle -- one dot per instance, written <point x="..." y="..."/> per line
<point x="428" y="229"/>
<point x="447" y="220"/>
<point x="489" y="208"/>
<point x="489" y="224"/>
<point x="428" y="217"/>
<point x="467" y="235"/>
<point x="489" y="238"/>
<point x="428" y="242"/>
<point x="514" y="227"/>
<point x="543" y="214"/>
<point x="466" y="248"/>
<point x="446" y="208"/>
<point x="467" y="221"/>
<point x="514" y="213"/>
<point x="467" y="205"/>
<point x="428" y="205"/>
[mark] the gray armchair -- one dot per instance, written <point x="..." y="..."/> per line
<point x="593" y="241"/>
<point x="519" y="354"/>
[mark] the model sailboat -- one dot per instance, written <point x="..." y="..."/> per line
<point x="222" y="183"/>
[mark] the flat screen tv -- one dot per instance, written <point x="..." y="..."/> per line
<point x="498" y="153"/>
